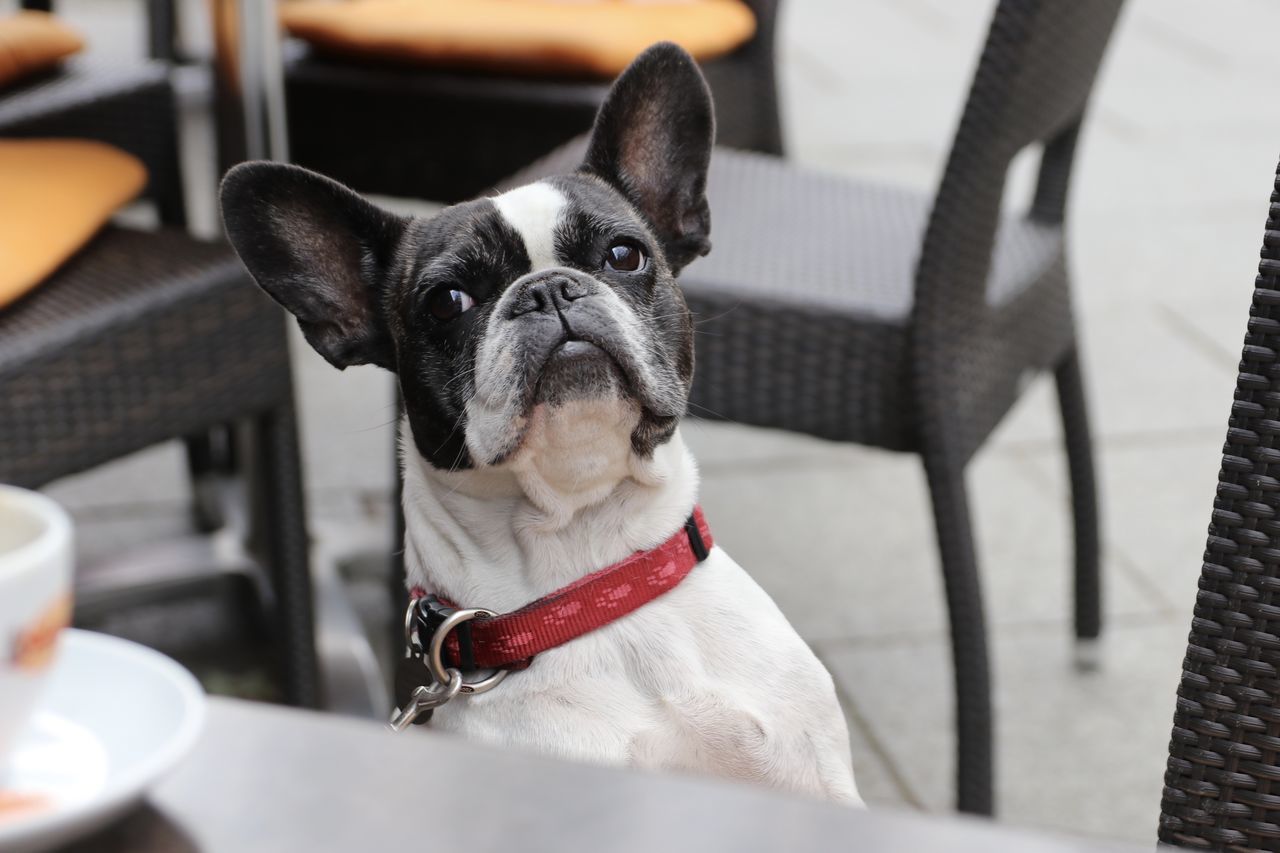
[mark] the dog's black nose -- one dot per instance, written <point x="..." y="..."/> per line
<point x="547" y="294"/>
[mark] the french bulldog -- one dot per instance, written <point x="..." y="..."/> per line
<point x="544" y="353"/>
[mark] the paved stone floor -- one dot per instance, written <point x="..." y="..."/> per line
<point x="1172" y="188"/>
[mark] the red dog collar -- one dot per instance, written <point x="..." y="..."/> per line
<point x="511" y="640"/>
<point x="443" y="641"/>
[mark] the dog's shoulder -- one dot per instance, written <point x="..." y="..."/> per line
<point x="718" y="708"/>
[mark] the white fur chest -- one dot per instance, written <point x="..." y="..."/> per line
<point x="708" y="678"/>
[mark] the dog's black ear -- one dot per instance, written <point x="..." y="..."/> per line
<point x="320" y="250"/>
<point x="652" y="141"/>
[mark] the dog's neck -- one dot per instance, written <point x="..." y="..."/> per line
<point x="573" y="501"/>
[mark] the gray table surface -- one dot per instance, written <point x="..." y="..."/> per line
<point x="265" y="778"/>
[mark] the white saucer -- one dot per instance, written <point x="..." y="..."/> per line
<point x="114" y="717"/>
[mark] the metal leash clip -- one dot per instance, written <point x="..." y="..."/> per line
<point x="422" y="681"/>
<point x="424" y="699"/>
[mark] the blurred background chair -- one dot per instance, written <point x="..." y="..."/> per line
<point x="448" y="135"/>
<point x="1222" y="783"/>
<point x="856" y="312"/>
<point x="151" y="335"/>
<point x="865" y="313"/>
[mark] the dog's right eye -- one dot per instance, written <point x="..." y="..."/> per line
<point x="624" y="256"/>
<point x="447" y="304"/>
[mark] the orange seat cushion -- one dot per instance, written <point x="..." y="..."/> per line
<point x="57" y="194"/>
<point x="542" y="37"/>
<point x="31" y="42"/>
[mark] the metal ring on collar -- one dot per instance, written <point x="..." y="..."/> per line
<point x="435" y="653"/>
<point x="411" y="639"/>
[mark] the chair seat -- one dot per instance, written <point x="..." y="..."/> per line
<point x="139" y="338"/>
<point x="531" y="38"/>
<point x="809" y="330"/>
<point x="839" y="244"/>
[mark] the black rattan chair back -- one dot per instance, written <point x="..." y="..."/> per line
<point x="1036" y="72"/>
<point x="759" y="128"/>
<point x="1031" y="86"/>
<point x="1222" y="784"/>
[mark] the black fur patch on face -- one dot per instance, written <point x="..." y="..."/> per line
<point x="471" y="249"/>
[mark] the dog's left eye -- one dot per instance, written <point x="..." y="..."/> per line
<point x="624" y="257"/>
<point x="446" y="304"/>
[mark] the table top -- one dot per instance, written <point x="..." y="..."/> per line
<point x="268" y="778"/>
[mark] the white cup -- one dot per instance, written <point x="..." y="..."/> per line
<point x="35" y="602"/>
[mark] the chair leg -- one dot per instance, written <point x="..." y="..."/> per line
<point x="974" y="785"/>
<point x="285" y="538"/>
<point x="1084" y="502"/>
<point x="205" y="463"/>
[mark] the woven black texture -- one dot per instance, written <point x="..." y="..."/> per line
<point x="1222" y="784"/>
<point x="140" y="338"/>
<point x="144" y="337"/>
<point x="422" y="133"/>
<point x="855" y="312"/>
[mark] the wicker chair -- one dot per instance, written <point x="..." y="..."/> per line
<point x="1222" y="785"/>
<point x="389" y="122"/>
<point x="852" y="312"/>
<point x="148" y="336"/>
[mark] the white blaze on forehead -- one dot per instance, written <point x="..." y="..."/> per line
<point x="533" y="211"/>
